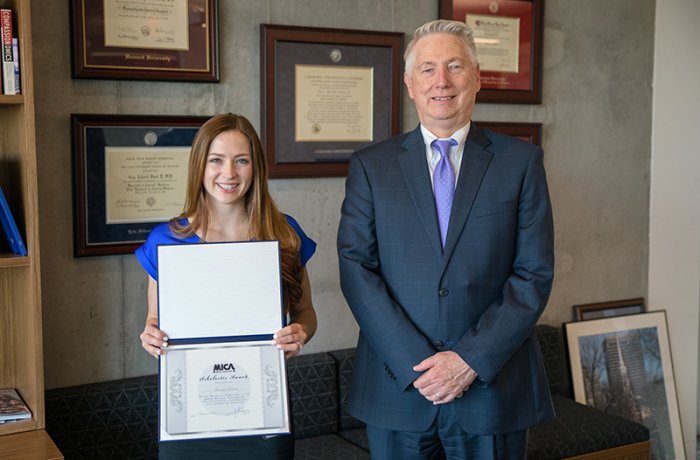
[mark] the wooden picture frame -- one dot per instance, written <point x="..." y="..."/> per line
<point x="129" y="175"/>
<point x="508" y="35"/>
<point x="326" y="93"/>
<point x="584" y="312"/>
<point x="174" y="40"/>
<point x="529" y="132"/>
<point x="622" y="365"/>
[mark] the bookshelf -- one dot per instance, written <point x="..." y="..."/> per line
<point x="21" y="353"/>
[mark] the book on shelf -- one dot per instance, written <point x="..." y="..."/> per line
<point x="12" y="406"/>
<point x="8" y="64"/>
<point x="10" y="227"/>
<point x="15" y="61"/>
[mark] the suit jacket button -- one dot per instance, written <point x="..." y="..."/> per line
<point x="443" y="292"/>
<point x="439" y="344"/>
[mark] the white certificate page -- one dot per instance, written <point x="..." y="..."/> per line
<point x="215" y="390"/>
<point x="219" y="289"/>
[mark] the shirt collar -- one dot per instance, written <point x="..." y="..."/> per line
<point x="460" y="135"/>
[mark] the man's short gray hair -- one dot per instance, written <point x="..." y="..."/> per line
<point x="442" y="26"/>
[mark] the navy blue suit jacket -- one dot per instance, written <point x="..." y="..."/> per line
<point x="481" y="297"/>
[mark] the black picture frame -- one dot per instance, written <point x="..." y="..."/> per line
<point x="523" y="86"/>
<point x="588" y="311"/>
<point x="194" y="57"/>
<point x="283" y="50"/>
<point x="92" y="138"/>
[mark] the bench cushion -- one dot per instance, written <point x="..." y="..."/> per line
<point x="118" y="419"/>
<point x="356" y="436"/>
<point x="579" y="429"/>
<point x="326" y="447"/>
<point x="314" y="394"/>
<point x="345" y="360"/>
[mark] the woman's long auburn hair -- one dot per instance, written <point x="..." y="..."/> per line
<point x="266" y="221"/>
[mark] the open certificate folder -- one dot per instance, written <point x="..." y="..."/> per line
<point x="221" y="374"/>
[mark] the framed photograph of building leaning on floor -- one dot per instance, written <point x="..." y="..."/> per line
<point x="622" y="365"/>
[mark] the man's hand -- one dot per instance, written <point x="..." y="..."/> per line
<point x="446" y="377"/>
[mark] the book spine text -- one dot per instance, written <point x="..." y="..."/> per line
<point x="8" y="66"/>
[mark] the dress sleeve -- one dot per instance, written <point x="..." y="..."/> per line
<point x="308" y="246"/>
<point x="146" y="255"/>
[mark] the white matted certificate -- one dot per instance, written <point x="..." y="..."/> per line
<point x="223" y="389"/>
<point x="221" y="374"/>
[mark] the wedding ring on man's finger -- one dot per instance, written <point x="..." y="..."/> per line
<point x="438" y="395"/>
<point x="301" y="345"/>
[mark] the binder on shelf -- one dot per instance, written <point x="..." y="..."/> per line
<point x="10" y="227"/>
<point x="8" y="65"/>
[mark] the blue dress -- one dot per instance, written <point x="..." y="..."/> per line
<point x="258" y="447"/>
<point x="147" y="253"/>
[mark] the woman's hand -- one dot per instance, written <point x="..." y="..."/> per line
<point x="291" y="339"/>
<point x="153" y="340"/>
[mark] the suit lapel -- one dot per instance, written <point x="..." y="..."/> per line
<point x="415" y="170"/>
<point x="475" y="161"/>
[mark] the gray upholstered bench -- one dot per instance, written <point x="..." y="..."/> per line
<point x="119" y="419"/>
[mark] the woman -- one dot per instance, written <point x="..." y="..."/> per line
<point x="228" y="200"/>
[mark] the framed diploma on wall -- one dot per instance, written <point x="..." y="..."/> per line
<point x="529" y="132"/>
<point x="326" y="93"/>
<point x="129" y="174"/>
<point x="508" y="37"/>
<point x="153" y="40"/>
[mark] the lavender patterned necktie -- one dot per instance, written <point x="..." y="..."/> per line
<point x="443" y="184"/>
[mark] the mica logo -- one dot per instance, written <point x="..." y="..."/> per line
<point x="224" y="367"/>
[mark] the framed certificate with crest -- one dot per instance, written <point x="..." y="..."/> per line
<point x="129" y="175"/>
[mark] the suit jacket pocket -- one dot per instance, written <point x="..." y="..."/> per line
<point x="491" y="209"/>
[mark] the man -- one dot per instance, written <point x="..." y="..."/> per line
<point x="448" y="365"/>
